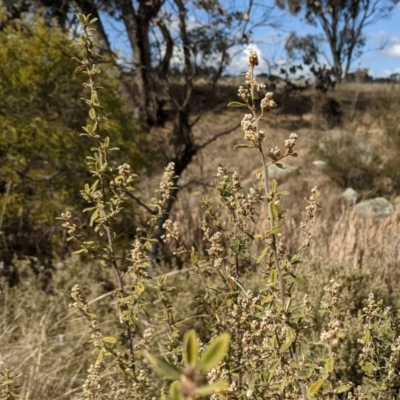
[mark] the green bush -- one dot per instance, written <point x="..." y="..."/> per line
<point x="40" y="115"/>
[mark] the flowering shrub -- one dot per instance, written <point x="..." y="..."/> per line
<point x="256" y="337"/>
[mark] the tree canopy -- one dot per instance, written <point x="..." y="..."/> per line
<point x="343" y="23"/>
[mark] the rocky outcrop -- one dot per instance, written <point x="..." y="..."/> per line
<point x="377" y="207"/>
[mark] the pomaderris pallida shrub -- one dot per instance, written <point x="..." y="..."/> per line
<point x="221" y="336"/>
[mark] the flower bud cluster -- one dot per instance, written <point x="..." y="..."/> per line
<point x="219" y="373"/>
<point x="216" y="249"/>
<point x="244" y="94"/>
<point x="267" y="103"/>
<point x="172" y="231"/>
<point x="331" y="336"/>
<point x="68" y="224"/>
<point x="147" y="337"/>
<point x="251" y="82"/>
<point x="290" y="143"/>
<point x="138" y="259"/>
<point x="242" y="206"/>
<point x="253" y="59"/>
<point x="358" y="394"/>
<point x="305" y="226"/>
<point x="142" y="382"/>
<point x="92" y="388"/>
<point x="124" y="179"/>
<point x="249" y="126"/>
<point x="79" y="302"/>
<point x="166" y="185"/>
<point x="275" y="153"/>
<point x="222" y="175"/>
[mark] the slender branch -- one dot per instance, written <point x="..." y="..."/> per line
<point x="217" y="136"/>
<point x="101" y="153"/>
<point x="266" y="186"/>
<point x="142" y="204"/>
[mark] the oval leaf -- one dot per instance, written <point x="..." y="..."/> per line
<point x="215" y="387"/>
<point x="163" y="367"/>
<point x="190" y="348"/>
<point x="285" y="345"/>
<point x="175" y="392"/>
<point x="274" y="211"/>
<point x="329" y="364"/>
<point x="215" y="352"/>
<point x="242" y="146"/>
<point x="94" y="217"/>
<point x="236" y="104"/>
<point x="316" y="386"/>
<point x="109" y="339"/>
<point x="343" y="388"/>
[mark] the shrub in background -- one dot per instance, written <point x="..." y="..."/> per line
<point x="40" y="113"/>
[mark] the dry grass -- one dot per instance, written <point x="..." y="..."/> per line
<point x="340" y="233"/>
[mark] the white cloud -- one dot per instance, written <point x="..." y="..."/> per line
<point x="386" y="73"/>
<point x="240" y="56"/>
<point x="393" y="51"/>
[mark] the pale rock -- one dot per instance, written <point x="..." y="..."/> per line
<point x="377" y="207"/>
<point x="350" y="195"/>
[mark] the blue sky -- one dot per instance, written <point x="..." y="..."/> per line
<point x="380" y="62"/>
<point x="270" y="43"/>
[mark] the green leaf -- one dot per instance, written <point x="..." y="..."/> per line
<point x="109" y="339"/>
<point x="272" y="367"/>
<point x="273" y="186"/>
<point x="329" y="365"/>
<point x="273" y="231"/>
<point x="92" y="113"/>
<point x="368" y="368"/>
<point x="279" y="165"/>
<point x="273" y="277"/>
<point x="139" y="288"/>
<point x="83" y="19"/>
<point x="266" y="299"/>
<point x="100" y="356"/>
<point x="94" y="217"/>
<point x="190" y="348"/>
<point x="236" y="104"/>
<point x="215" y="387"/>
<point x="274" y="211"/>
<point x="283" y="384"/>
<point x="175" y="392"/>
<point x="163" y="367"/>
<point x="80" y="251"/>
<point x="342" y="389"/>
<point x="285" y="345"/>
<point x="243" y="146"/>
<point x="262" y="255"/>
<point x="316" y="386"/>
<point x="215" y="352"/>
